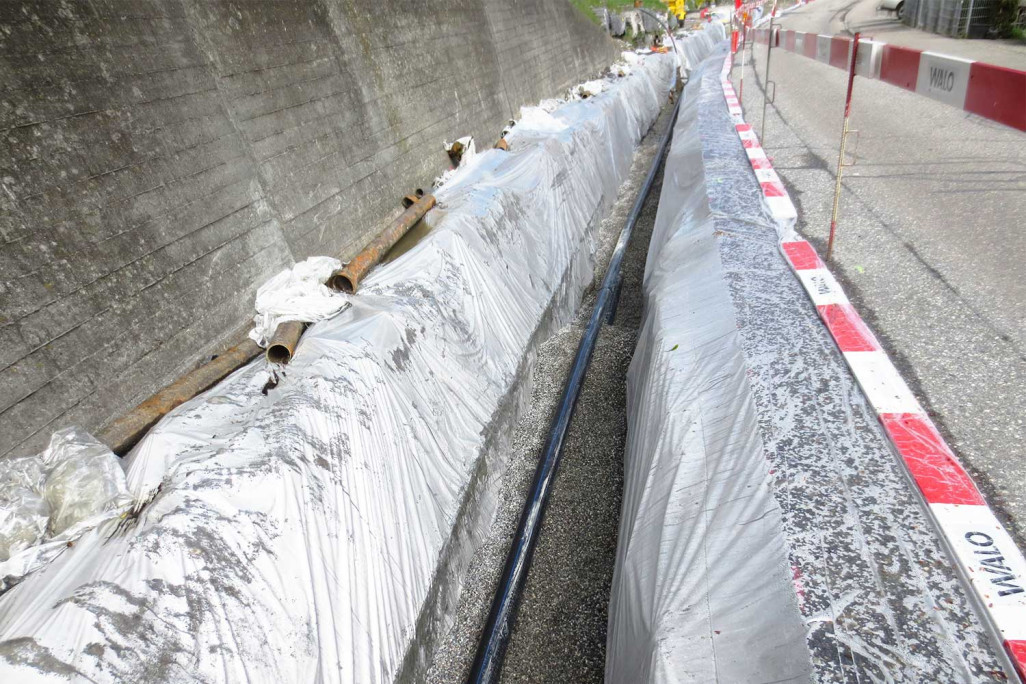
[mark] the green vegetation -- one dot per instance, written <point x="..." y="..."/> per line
<point x="1004" y="15"/>
<point x="589" y="6"/>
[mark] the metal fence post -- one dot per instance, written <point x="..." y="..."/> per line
<point x="741" y="85"/>
<point x="844" y="139"/>
<point x="766" y="87"/>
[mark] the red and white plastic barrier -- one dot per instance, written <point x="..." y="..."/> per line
<point x="993" y="92"/>
<point x="984" y="551"/>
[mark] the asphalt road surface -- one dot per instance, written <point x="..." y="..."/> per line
<point x="931" y="241"/>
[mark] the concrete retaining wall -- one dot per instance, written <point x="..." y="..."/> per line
<point x="161" y="158"/>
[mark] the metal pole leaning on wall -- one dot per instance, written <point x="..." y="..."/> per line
<point x="844" y="140"/>
<point x="126" y="431"/>
<point x="491" y="649"/>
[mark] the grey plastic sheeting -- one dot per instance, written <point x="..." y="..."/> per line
<point x="694" y="46"/>
<point x="702" y="588"/>
<point x="317" y="530"/>
<point x="733" y="536"/>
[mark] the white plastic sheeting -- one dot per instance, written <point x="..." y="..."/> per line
<point x="589" y="88"/>
<point x="24" y="513"/>
<point x="702" y="588"/>
<point x="318" y="530"/>
<point x="761" y="492"/>
<point x="296" y="294"/>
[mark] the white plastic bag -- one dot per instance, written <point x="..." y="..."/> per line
<point x="47" y="495"/>
<point x="296" y="294"/>
<point x="23" y="512"/>
<point x="85" y="478"/>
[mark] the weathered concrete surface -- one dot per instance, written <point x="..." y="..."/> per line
<point x="161" y="159"/>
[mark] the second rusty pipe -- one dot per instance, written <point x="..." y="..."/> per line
<point x="126" y="431"/>
<point x="283" y="342"/>
<point x="347" y="278"/>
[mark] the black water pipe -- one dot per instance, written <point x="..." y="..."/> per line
<point x="632" y="218"/>
<point x="491" y="649"/>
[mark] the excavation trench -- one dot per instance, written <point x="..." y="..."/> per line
<point x="560" y="633"/>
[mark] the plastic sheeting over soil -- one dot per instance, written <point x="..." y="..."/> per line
<point x="692" y="48"/>
<point x="317" y="529"/>
<point x="768" y="531"/>
<point x="701" y="590"/>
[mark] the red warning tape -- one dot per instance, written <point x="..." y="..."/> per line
<point x="993" y="92"/>
<point x="992" y="564"/>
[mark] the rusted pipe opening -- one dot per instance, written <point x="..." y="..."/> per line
<point x="284" y="341"/>
<point x="278" y="353"/>
<point x="340" y="282"/>
<point x="411" y="199"/>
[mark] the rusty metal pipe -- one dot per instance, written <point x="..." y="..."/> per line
<point x="411" y="199"/>
<point x="282" y="344"/>
<point x="126" y="431"/>
<point x="347" y="278"/>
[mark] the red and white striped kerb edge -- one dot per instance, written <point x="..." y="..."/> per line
<point x="777" y="199"/>
<point x="993" y="92"/>
<point x="989" y="559"/>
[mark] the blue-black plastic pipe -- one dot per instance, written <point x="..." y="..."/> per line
<point x="491" y="649"/>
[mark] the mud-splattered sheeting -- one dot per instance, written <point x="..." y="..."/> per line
<point x="864" y="571"/>
<point x="701" y="590"/>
